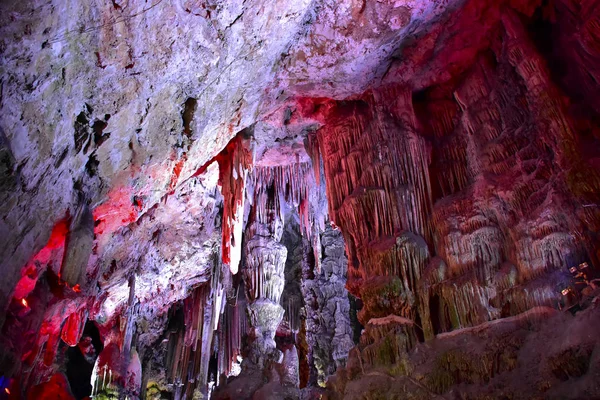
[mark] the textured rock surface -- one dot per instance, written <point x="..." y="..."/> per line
<point x="101" y="100"/>
<point x="328" y="329"/>
<point x="521" y="357"/>
<point x="480" y="164"/>
<point x="151" y="150"/>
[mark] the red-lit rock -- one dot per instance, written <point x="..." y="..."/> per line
<point x="73" y="328"/>
<point x="234" y="163"/>
<point x="57" y="388"/>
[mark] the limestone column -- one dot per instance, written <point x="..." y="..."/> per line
<point x="264" y="277"/>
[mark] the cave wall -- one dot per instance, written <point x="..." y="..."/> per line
<point x="92" y="102"/>
<point x="453" y="156"/>
<point x="468" y="191"/>
<point x="466" y="200"/>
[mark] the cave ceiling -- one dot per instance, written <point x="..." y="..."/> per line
<point x="444" y="150"/>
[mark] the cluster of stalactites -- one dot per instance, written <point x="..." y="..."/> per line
<point x="264" y="271"/>
<point x="274" y="189"/>
<point x="270" y="191"/>
<point x="102" y="381"/>
<point x="376" y="165"/>
<point x="190" y="347"/>
<point x="295" y="185"/>
<point x="185" y="347"/>
<point x="505" y="228"/>
<point x="293" y="307"/>
<point x="232" y="327"/>
<point x="291" y="182"/>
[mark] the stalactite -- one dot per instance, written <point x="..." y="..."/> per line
<point x="234" y="164"/>
<point x="191" y="343"/>
<point x="316" y="245"/>
<point x="129" y="317"/>
<point x="232" y="328"/>
<point x="211" y="320"/>
<point x="312" y="148"/>
<point x="184" y="352"/>
<point x="263" y="276"/>
<point x="295" y="185"/>
<point x="292" y="313"/>
<point x="78" y="247"/>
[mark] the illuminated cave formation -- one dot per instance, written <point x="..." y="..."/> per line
<point x="309" y="199"/>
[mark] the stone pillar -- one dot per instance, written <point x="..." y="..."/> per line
<point x="264" y="276"/>
<point x="328" y="327"/>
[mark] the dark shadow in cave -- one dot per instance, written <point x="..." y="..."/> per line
<point x="81" y="359"/>
<point x="434" y="312"/>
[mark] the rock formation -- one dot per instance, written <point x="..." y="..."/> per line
<point x="299" y="199"/>
<point x="328" y="328"/>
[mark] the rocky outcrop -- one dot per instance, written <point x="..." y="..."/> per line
<point x="521" y="357"/>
